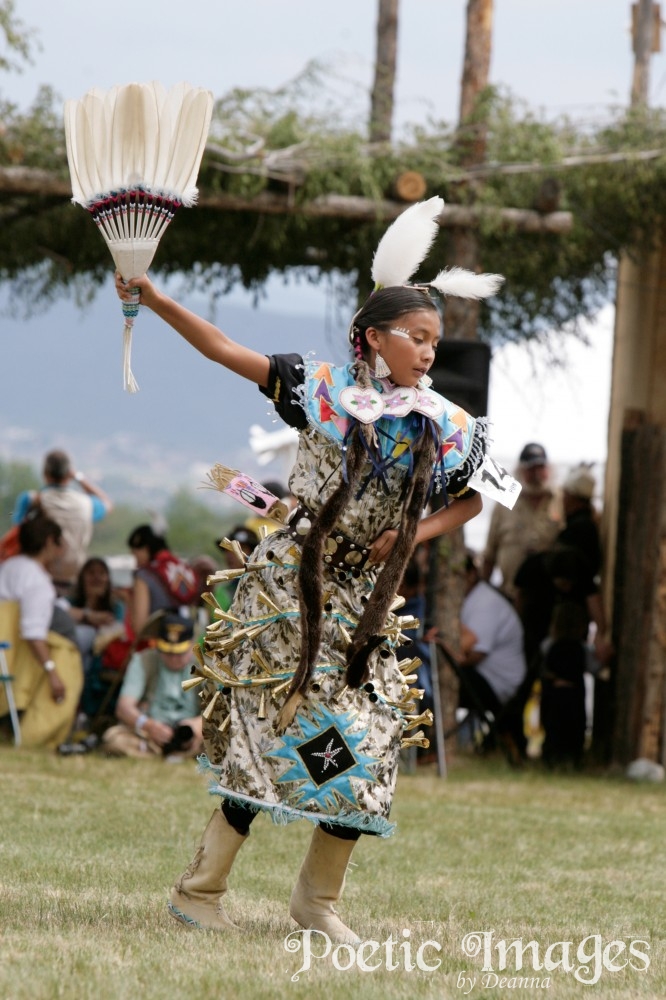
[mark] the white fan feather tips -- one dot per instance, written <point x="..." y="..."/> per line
<point x="466" y="284"/>
<point x="405" y="243"/>
<point x="137" y="135"/>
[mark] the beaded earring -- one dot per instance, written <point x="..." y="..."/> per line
<point x="424" y="382"/>
<point x="382" y="370"/>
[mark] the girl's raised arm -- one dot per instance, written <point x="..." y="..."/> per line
<point x="198" y="332"/>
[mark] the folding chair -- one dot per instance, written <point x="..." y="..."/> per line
<point x="6" y="678"/>
<point x="492" y="726"/>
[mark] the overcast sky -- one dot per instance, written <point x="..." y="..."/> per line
<point x="570" y="56"/>
<point x="562" y="56"/>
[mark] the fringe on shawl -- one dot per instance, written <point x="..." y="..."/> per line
<point x="282" y="814"/>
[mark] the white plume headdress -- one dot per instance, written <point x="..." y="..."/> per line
<point x="405" y="245"/>
<point x="134" y="154"/>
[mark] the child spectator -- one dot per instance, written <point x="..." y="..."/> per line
<point x="565" y="660"/>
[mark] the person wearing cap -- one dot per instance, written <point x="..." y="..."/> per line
<point x="156" y="716"/>
<point x="567" y="570"/>
<point x="581" y="529"/>
<point x="531" y="526"/>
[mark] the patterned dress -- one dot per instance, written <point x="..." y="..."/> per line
<point x="337" y="761"/>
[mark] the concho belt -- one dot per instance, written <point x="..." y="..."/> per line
<point x="341" y="555"/>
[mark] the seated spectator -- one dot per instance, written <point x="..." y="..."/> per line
<point x="248" y="540"/>
<point x="156" y="717"/>
<point x="492" y="656"/>
<point x="46" y="665"/>
<point x="162" y="581"/>
<point x="75" y="503"/>
<point x="93" y="606"/>
<point x="98" y="615"/>
<point x="565" y="658"/>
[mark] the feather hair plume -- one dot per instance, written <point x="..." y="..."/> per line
<point x="466" y="284"/>
<point x="134" y="154"/>
<point x="405" y="243"/>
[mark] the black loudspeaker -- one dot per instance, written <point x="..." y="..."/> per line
<point x="461" y="372"/>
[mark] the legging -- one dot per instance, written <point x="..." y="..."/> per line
<point x="240" y="818"/>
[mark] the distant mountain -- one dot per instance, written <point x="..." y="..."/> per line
<point x="62" y="387"/>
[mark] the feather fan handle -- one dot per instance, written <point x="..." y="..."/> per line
<point x="466" y="284"/>
<point x="130" y="312"/>
<point x="405" y="243"/>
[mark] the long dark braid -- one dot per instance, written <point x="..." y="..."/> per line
<point x="368" y="631"/>
<point x="382" y="308"/>
<point x="310" y="584"/>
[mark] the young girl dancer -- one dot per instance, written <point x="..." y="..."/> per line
<point x="305" y="703"/>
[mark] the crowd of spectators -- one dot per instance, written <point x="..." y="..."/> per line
<point x="94" y="661"/>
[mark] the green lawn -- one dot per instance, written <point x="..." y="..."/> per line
<point x="91" y="845"/>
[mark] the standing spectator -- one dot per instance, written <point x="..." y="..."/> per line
<point x="531" y="526"/>
<point x="46" y="665"/>
<point x="75" y="503"/>
<point x="549" y="578"/>
<point x="155" y="715"/>
<point x="581" y="529"/>
<point x="492" y="656"/>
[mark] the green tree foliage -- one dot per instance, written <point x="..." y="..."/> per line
<point x="18" y="40"/>
<point x="273" y="142"/>
<point x="193" y="528"/>
<point x="111" y="533"/>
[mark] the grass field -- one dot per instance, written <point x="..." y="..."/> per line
<point x="91" y="845"/>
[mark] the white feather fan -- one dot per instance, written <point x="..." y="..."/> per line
<point x="134" y="154"/>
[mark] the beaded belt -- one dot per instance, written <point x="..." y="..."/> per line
<point x="340" y="553"/>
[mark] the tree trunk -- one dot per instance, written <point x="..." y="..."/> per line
<point x="643" y="33"/>
<point x="476" y="70"/>
<point x="461" y="321"/>
<point x="381" y="108"/>
<point x="640" y="583"/>
<point x="634" y="583"/>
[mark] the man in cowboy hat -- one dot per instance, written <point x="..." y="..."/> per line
<point x="156" y="717"/>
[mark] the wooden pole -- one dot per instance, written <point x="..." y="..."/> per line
<point x="643" y="32"/>
<point x="447" y="555"/>
<point x="462" y="315"/>
<point x="634" y="532"/>
<point x="381" y="106"/>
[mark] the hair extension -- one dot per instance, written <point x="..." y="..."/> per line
<point x="310" y="574"/>
<point x="368" y="631"/>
